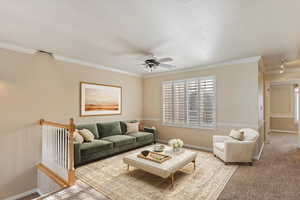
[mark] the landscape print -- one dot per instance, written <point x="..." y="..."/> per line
<point x="98" y="99"/>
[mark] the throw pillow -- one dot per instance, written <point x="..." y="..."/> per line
<point x="141" y="126"/>
<point x="132" y="127"/>
<point x="238" y="135"/>
<point x="87" y="135"/>
<point x="77" y="137"/>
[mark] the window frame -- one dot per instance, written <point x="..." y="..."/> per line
<point x="185" y="125"/>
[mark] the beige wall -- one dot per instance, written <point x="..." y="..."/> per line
<point x="37" y="86"/>
<point x="237" y="102"/>
<point x="282" y="100"/>
<point x="284" y="124"/>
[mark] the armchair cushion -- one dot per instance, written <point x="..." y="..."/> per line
<point x="249" y="134"/>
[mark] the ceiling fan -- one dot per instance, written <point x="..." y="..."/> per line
<point x="288" y="64"/>
<point x="284" y="65"/>
<point x="153" y="62"/>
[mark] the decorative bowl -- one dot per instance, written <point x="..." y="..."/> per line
<point x="159" y="148"/>
<point x="145" y="153"/>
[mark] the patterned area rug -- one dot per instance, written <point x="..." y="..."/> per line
<point x="110" y="177"/>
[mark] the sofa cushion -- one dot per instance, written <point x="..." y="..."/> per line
<point x="219" y="146"/>
<point x="91" y="127"/>
<point x="120" y="140"/>
<point x="123" y="127"/>
<point x="142" y="136"/>
<point x="87" y="135"/>
<point x="95" y="146"/>
<point x="109" y="129"/>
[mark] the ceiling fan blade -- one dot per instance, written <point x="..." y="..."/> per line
<point x="167" y="59"/>
<point x="167" y="66"/>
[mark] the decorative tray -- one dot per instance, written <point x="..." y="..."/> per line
<point x="155" y="157"/>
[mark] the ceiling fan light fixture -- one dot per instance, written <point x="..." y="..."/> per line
<point x="281" y="71"/>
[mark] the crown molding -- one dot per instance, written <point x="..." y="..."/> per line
<point x="93" y="65"/>
<point x="202" y="67"/>
<point x="16" y="48"/>
<point x="287" y="70"/>
<point x="12" y="47"/>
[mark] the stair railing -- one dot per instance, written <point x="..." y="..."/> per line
<point x="58" y="151"/>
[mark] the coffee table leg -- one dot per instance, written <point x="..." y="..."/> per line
<point x="172" y="180"/>
<point x="194" y="164"/>
<point x="128" y="167"/>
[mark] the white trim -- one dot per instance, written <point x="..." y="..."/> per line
<point x="260" y="152"/>
<point x="281" y="116"/>
<point x="16" y="48"/>
<point x="236" y="125"/>
<point x="257" y="157"/>
<point x="24" y="194"/>
<point x="89" y="64"/>
<point x="284" y="82"/>
<point x="203" y="67"/>
<point x="219" y="125"/>
<point x="283" y="131"/>
<point x="287" y="70"/>
<point x="189" y="146"/>
<point x="213" y="128"/>
<point x="151" y="119"/>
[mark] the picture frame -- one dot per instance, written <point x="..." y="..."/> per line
<point x="100" y="99"/>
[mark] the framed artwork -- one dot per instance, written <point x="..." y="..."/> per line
<point x="99" y="99"/>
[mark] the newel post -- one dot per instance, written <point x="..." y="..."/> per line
<point x="71" y="170"/>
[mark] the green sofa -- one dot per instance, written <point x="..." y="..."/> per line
<point x="110" y="139"/>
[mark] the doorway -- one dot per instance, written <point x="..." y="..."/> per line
<point x="284" y="109"/>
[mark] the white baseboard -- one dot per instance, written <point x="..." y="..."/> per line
<point x="211" y="150"/>
<point x="24" y="194"/>
<point x="283" y="131"/>
<point x="260" y="152"/>
<point x="189" y="146"/>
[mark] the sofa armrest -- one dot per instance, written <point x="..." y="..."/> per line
<point x="77" y="155"/>
<point x="152" y="130"/>
<point x="239" y="150"/>
<point x="220" y="138"/>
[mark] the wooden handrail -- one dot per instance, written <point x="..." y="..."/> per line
<point x="55" y="124"/>
<point x="71" y="128"/>
<point x="71" y="173"/>
<point x="61" y="182"/>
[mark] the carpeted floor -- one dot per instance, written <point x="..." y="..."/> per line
<point x="275" y="177"/>
<point x="110" y="177"/>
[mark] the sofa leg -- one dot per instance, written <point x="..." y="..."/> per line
<point x="250" y="163"/>
<point x="215" y="155"/>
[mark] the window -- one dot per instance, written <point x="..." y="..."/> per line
<point x="190" y="102"/>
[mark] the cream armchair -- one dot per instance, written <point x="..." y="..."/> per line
<point x="231" y="150"/>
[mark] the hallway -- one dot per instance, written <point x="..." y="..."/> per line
<point x="276" y="176"/>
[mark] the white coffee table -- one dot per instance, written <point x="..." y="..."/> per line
<point x="166" y="169"/>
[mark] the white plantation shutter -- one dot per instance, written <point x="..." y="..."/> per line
<point x="190" y="103"/>
<point x="179" y="102"/>
<point x="168" y="102"/>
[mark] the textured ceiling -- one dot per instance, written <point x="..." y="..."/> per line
<point x="119" y="34"/>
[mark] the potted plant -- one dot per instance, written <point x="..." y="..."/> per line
<point x="176" y="144"/>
